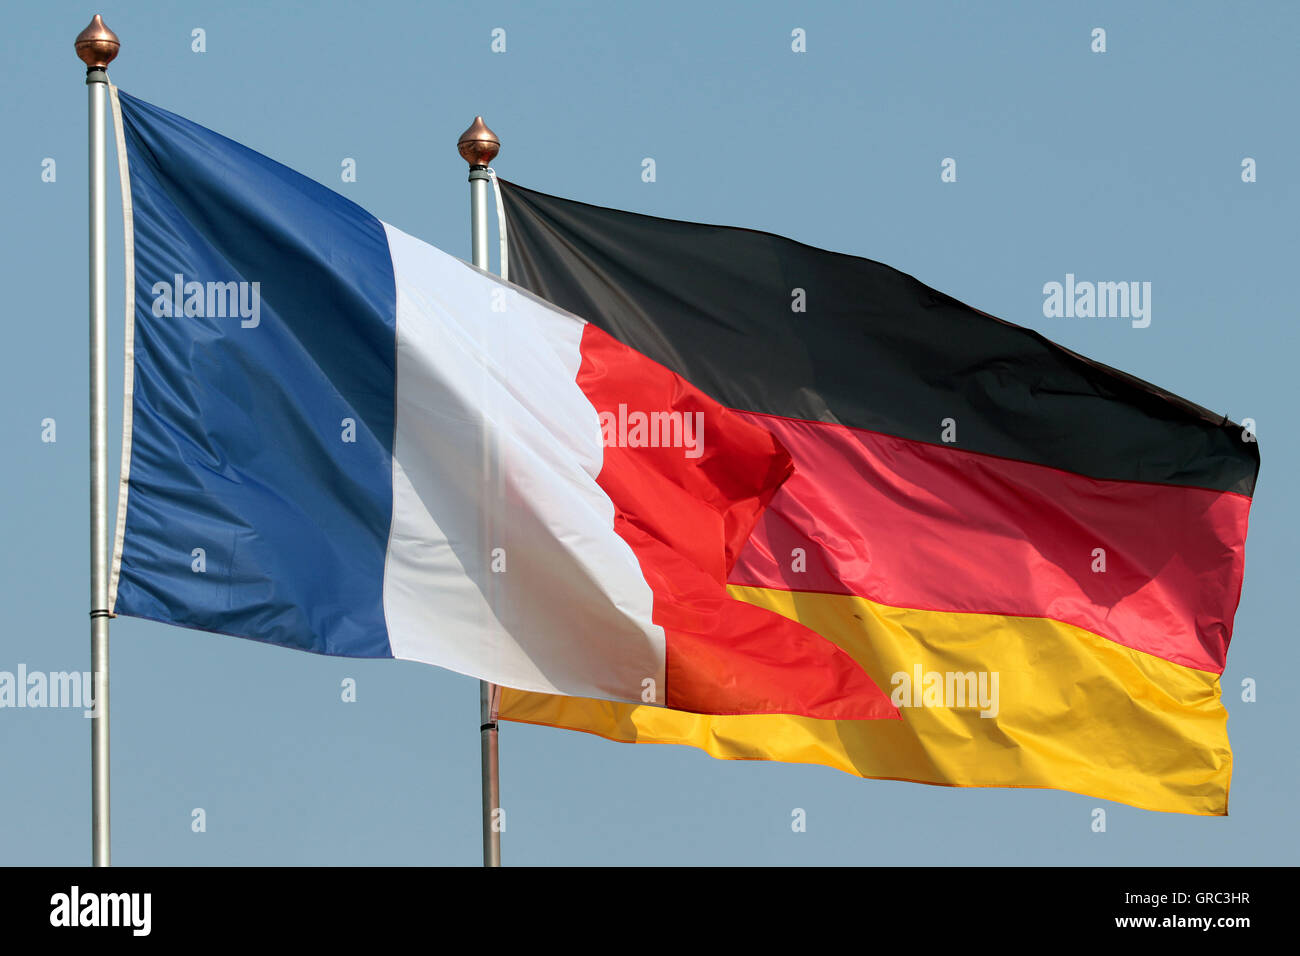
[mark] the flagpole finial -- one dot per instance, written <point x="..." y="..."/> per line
<point x="97" y="45"/>
<point x="478" y="145"/>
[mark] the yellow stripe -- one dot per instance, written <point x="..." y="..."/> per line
<point x="1075" y="711"/>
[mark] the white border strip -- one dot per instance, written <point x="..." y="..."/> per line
<point x="501" y="226"/>
<point x="128" y="374"/>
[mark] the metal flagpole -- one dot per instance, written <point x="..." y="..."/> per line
<point x="478" y="146"/>
<point x="97" y="45"/>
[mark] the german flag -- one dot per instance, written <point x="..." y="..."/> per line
<point x="1038" y="556"/>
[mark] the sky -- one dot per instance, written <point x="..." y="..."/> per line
<point x="1118" y="165"/>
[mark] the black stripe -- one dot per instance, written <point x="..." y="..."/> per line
<point x="875" y="349"/>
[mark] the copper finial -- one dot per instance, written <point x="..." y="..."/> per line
<point x="97" y="45"/>
<point x="478" y="145"/>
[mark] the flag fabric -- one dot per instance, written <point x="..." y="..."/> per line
<point x="1038" y="556"/>
<point x="342" y="440"/>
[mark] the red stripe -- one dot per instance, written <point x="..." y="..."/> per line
<point x="686" y="518"/>
<point x="923" y="526"/>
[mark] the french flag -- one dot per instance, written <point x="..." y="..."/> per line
<point x="343" y="440"/>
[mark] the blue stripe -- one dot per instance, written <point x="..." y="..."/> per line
<point x="237" y="443"/>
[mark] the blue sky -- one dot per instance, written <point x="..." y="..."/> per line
<point x="1123" y="165"/>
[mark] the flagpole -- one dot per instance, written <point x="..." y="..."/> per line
<point x="97" y="46"/>
<point x="478" y="146"/>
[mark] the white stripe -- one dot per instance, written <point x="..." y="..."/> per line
<point x="128" y="374"/>
<point x="503" y="239"/>
<point x="496" y="447"/>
